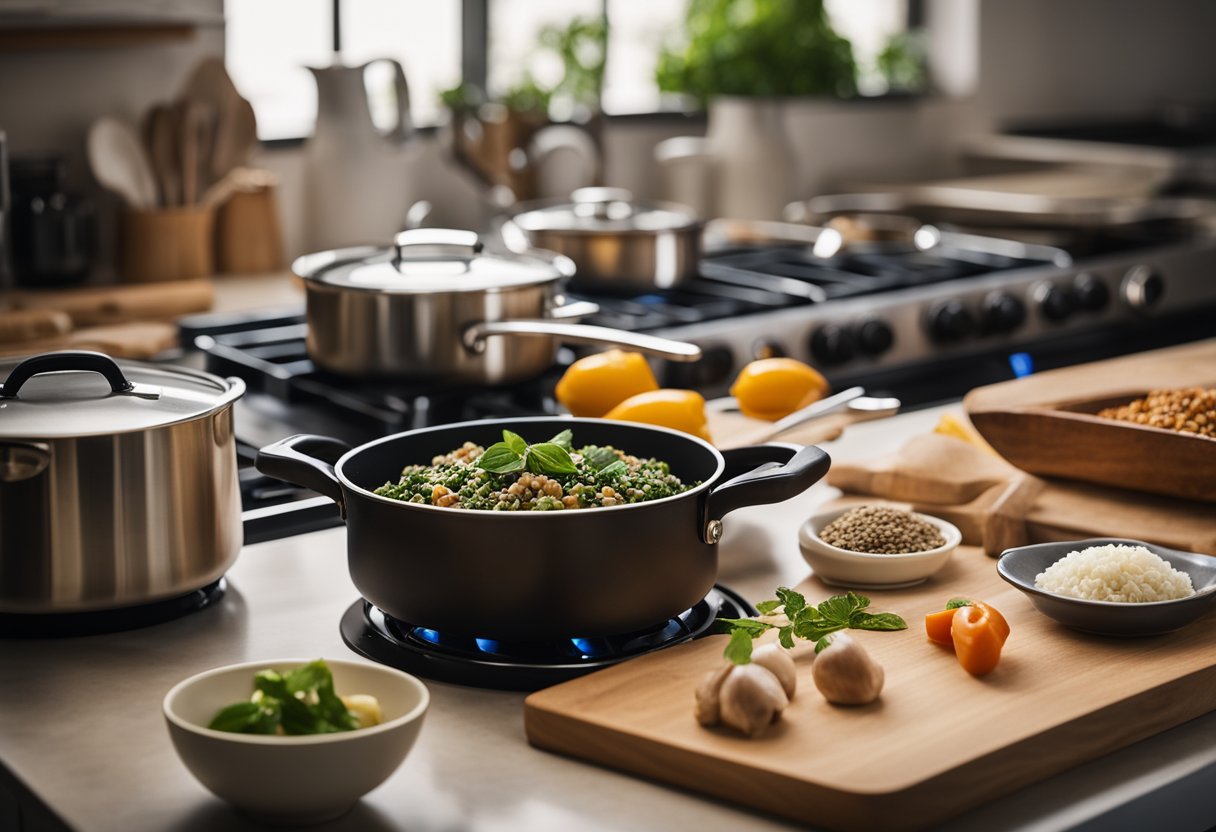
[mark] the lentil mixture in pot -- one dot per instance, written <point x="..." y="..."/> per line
<point x="549" y="476"/>
<point x="878" y="530"/>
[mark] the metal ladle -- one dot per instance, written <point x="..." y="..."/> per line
<point x="852" y="399"/>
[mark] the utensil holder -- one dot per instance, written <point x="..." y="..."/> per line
<point x="166" y="244"/>
<point x="249" y="239"/>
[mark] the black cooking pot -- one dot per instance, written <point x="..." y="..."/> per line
<point x="539" y="575"/>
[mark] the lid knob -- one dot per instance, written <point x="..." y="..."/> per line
<point x="451" y="237"/>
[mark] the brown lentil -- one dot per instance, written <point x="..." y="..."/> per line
<point x="1191" y="410"/>
<point x="879" y="530"/>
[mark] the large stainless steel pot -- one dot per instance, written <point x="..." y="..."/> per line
<point x="118" y="483"/>
<point x="442" y="306"/>
<point x="618" y="245"/>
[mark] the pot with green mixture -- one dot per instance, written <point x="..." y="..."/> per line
<point x="540" y="528"/>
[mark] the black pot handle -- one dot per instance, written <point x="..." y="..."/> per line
<point x="306" y="460"/>
<point x="54" y="362"/>
<point x="777" y="472"/>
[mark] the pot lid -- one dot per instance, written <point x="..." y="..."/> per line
<point x="431" y="260"/>
<point x="607" y="209"/>
<point x="78" y="393"/>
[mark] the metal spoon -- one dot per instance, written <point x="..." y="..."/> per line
<point x="852" y="399"/>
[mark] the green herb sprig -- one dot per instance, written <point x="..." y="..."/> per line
<point x="514" y="454"/>
<point x="301" y="702"/>
<point x="807" y="622"/>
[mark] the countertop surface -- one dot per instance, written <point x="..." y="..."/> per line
<point x="81" y="724"/>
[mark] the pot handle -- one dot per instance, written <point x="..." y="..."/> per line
<point x="306" y="460"/>
<point x="475" y="336"/>
<point x="86" y="360"/>
<point x="780" y="472"/>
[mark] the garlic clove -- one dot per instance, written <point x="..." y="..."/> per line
<point x="778" y="661"/>
<point x="708" y="709"/>
<point x="751" y="699"/>
<point x="845" y="674"/>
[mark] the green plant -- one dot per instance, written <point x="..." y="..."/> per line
<point x="901" y="63"/>
<point x="582" y="46"/>
<point x="758" y="48"/>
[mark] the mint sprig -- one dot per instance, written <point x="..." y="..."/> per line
<point x="808" y="622"/>
<point x="513" y="454"/>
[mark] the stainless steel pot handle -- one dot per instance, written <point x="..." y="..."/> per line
<point x="306" y="460"/>
<point x="574" y="310"/>
<point x="23" y="460"/>
<point x="436" y="237"/>
<point x="79" y="360"/>
<point x="475" y="336"/>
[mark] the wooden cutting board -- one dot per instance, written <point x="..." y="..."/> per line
<point x="937" y="743"/>
<point x="1047" y="424"/>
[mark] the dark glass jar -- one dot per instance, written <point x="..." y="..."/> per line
<point x="53" y="232"/>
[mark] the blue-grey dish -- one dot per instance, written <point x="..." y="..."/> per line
<point x="1020" y="566"/>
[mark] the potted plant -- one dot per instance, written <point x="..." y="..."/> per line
<point x="745" y="59"/>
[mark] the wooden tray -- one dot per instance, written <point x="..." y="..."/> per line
<point x="937" y="743"/>
<point x="1046" y="424"/>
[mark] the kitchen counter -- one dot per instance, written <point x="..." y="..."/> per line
<point x="83" y="743"/>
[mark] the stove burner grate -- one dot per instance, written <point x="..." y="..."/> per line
<point x="526" y="666"/>
<point x="97" y="622"/>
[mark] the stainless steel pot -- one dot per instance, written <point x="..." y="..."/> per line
<point x="618" y="245"/>
<point x="442" y="306"/>
<point x="118" y="483"/>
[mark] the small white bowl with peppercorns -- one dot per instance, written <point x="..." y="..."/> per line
<point x="876" y="547"/>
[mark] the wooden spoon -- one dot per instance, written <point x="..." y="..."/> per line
<point x="160" y="137"/>
<point x="119" y="162"/>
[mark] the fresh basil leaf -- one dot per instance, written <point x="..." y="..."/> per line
<point x="547" y="458"/>
<point x="271" y="684"/>
<point x="269" y="720"/>
<point x="739" y="649"/>
<point x="793" y="602"/>
<point x="333" y="711"/>
<point x="822" y="644"/>
<point x="598" y="458"/>
<point x="616" y="469"/>
<point x="840" y="608"/>
<point x="564" y="440"/>
<point x="813" y="629"/>
<point x="955" y="603"/>
<point x="749" y="625"/>
<point x="298" y="717"/>
<point x="499" y="458"/>
<point x="239" y="717"/>
<point x="879" y="621"/>
<point x="308" y="677"/>
<point x="786" y="636"/>
<point x="515" y="442"/>
<point x="767" y="607"/>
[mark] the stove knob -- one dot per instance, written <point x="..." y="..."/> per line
<point x="874" y="337"/>
<point x="715" y="367"/>
<point x="1091" y="292"/>
<point x="833" y="344"/>
<point x="1142" y="288"/>
<point x="767" y="348"/>
<point x="950" y="321"/>
<point x="1001" y="313"/>
<point x="1056" y="303"/>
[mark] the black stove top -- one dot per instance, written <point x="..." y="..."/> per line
<point x="525" y="666"/>
<point x="97" y="622"/>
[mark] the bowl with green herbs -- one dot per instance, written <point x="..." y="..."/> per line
<point x="295" y="741"/>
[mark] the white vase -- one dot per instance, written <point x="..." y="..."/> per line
<point x="755" y="171"/>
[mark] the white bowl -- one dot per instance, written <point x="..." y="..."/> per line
<point x="841" y="567"/>
<point x="294" y="779"/>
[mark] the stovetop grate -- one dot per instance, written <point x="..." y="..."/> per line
<point x="490" y="663"/>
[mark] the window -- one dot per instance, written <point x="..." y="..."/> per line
<point x="270" y="42"/>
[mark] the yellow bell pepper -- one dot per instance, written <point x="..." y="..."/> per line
<point x="679" y="409"/>
<point x="594" y="385"/>
<point x="775" y="387"/>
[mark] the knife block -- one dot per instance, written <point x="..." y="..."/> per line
<point x="166" y="244"/>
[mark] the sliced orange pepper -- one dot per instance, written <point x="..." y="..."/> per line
<point x="771" y="388"/>
<point x="597" y="383"/>
<point x="679" y="409"/>
<point x="937" y="625"/>
<point x="978" y="632"/>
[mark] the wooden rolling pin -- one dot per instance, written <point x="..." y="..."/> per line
<point x="33" y="324"/>
<point x="105" y="305"/>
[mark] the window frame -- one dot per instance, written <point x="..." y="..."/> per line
<point x="474" y="66"/>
